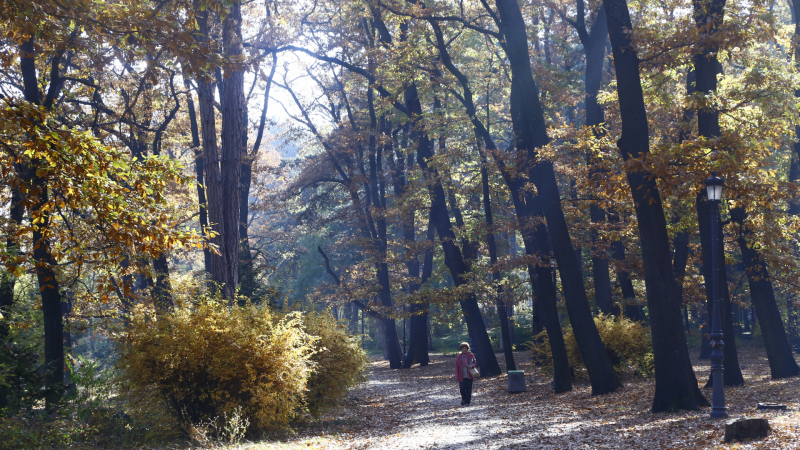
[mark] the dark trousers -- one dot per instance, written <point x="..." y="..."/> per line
<point x="466" y="390"/>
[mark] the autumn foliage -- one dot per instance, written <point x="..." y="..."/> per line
<point x="627" y="343"/>
<point x="205" y="360"/>
<point x="339" y="362"/>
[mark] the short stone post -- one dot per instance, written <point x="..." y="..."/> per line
<point x="516" y="381"/>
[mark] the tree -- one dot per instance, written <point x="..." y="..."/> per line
<point x="223" y="165"/>
<point x="676" y="383"/>
<point x="78" y="201"/>
<point x="539" y="274"/>
<point x="781" y="359"/>
<point x="709" y="16"/>
<point x="530" y="133"/>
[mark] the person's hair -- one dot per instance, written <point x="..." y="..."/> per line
<point x="463" y="344"/>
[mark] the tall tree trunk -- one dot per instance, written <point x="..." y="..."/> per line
<point x="510" y="309"/>
<point x="7" y="278"/>
<point x="680" y="247"/>
<point x="44" y="262"/>
<point x="530" y="133"/>
<point x="546" y="308"/>
<point x="247" y="276"/>
<point x="708" y="16"/>
<point x="377" y="191"/>
<point x="779" y="353"/>
<point x="453" y="258"/>
<point x="418" y="322"/>
<point x="208" y="130"/>
<point x="163" y="288"/>
<point x="67" y="339"/>
<point x="50" y="291"/>
<point x="543" y="289"/>
<point x="676" y="383"/>
<point x="732" y="373"/>
<point x="419" y="332"/>
<point x="508" y="349"/>
<point x="794" y="177"/>
<point x="232" y="150"/>
<point x="631" y="309"/>
<point x="223" y="168"/>
<point x="247" y="269"/>
<point x="382" y="324"/>
<point x="594" y="44"/>
<point x="199" y="170"/>
<point x="681" y="241"/>
<point x="353" y="316"/>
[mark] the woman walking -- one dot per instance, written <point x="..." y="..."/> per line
<point x="464" y="361"/>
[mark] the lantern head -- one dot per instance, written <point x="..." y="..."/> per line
<point x="714" y="187"/>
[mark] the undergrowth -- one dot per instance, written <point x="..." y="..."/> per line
<point x="627" y="342"/>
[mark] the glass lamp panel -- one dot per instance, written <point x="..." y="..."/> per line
<point x="714" y="192"/>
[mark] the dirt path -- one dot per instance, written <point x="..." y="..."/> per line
<point x="419" y="408"/>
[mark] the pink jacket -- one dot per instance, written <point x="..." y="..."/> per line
<point x="460" y="366"/>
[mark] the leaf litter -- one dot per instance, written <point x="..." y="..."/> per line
<point x="418" y="408"/>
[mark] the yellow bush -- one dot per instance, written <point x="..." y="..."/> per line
<point x="207" y="361"/>
<point x="340" y="363"/>
<point x="627" y="343"/>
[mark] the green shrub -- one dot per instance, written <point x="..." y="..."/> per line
<point x="89" y="416"/>
<point x="339" y="362"/>
<point x="627" y="343"/>
<point x="208" y="360"/>
<point x="28" y="430"/>
<point x="22" y="376"/>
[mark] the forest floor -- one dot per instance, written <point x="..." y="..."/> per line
<point x="419" y="408"/>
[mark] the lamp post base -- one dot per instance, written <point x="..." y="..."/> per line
<point x="719" y="412"/>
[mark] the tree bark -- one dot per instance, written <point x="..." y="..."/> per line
<point x="508" y="349"/>
<point x="208" y="129"/>
<point x="794" y="177"/>
<point x="676" y="383"/>
<point x="417" y="351"/>
<point x="232" y="151"/>
<point x="530" y="133"/>
<point x="199" y="170"/>
<point x="680" y="246"/>
<point x="247" y="275"/>
<point x="50" y="291"/>
<point x="631" y="309"/>
<point x="681" y="240"/>
<point x="378" y="191"/>
<point x="163" y="288"/>
<point x="546" y="307"/>
<point x="594" y="45"/>
<point x="419" y="332"/>
<point x="223" y="168"/>
<point x="7" y="278"/>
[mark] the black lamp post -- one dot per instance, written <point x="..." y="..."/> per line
<point x="714" y="191"/>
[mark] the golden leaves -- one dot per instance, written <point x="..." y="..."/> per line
<point x="99" y="204"/>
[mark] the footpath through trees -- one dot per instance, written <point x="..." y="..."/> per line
<point x="419" y="408"/>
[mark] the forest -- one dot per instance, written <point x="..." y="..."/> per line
<point x="276" y="223"/>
